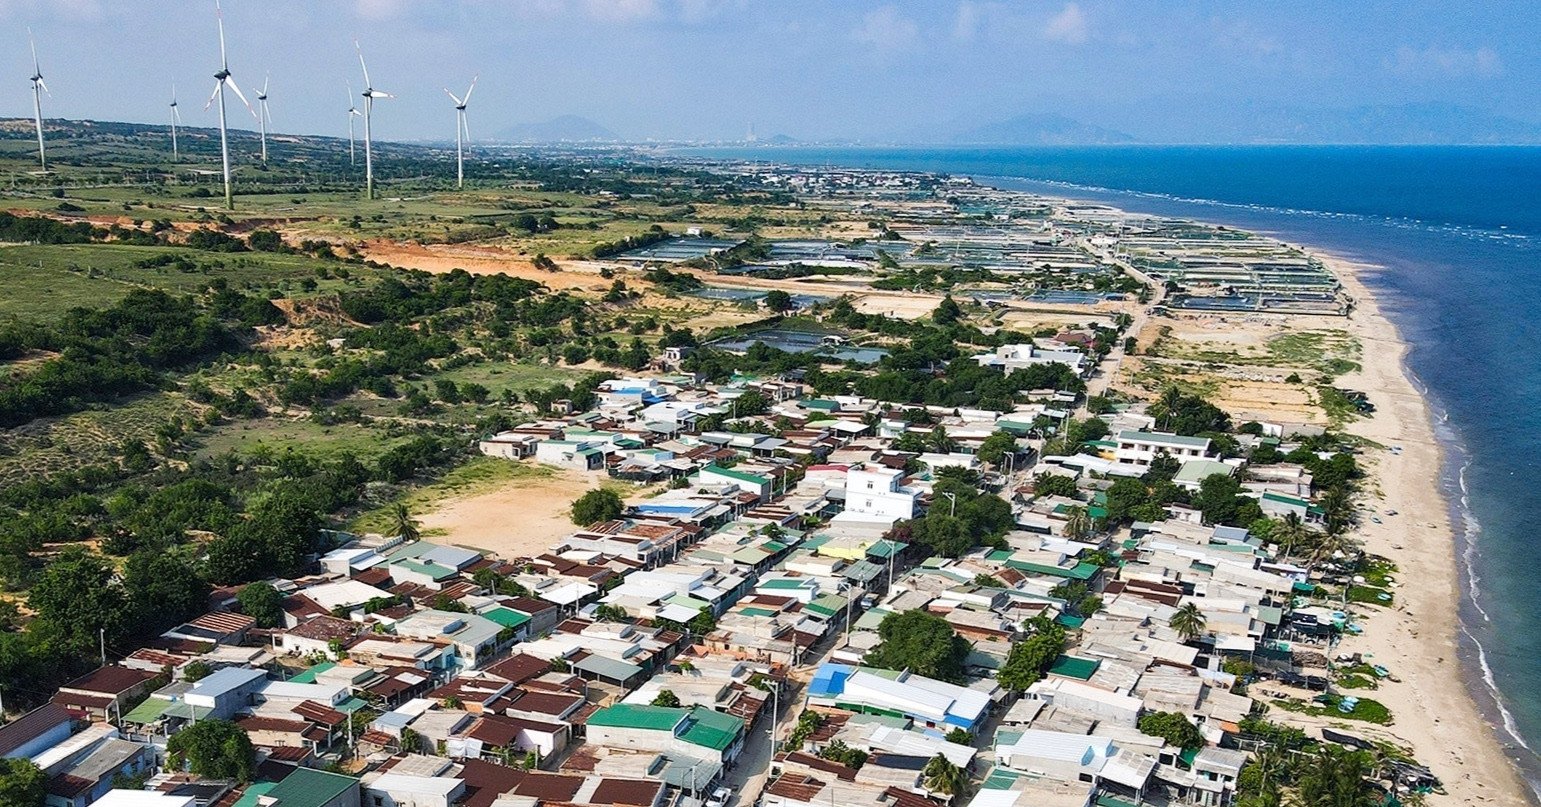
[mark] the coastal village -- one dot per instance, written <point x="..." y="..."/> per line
<point x="1122" y="567"/>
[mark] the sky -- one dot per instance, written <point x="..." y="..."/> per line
<point x="836" y="69"/>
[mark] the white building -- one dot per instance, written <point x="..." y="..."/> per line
<point x="876" y="494"/>
<point x="1142" y="447"/>
<point x="1016" y="357"/>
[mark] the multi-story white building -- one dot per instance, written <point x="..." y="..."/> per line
<point x="1141" y="447"/>
<point x="875" y="494"/>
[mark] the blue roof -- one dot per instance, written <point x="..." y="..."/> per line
<point x="829" y="680"/>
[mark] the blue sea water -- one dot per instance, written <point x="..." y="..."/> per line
<point x="1458" y="230"/>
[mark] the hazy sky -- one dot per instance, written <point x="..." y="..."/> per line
<point x="838" y="68"/>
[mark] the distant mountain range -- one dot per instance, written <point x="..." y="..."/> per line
<point x="1038" y="129"/>
<point x="563" y="129"/>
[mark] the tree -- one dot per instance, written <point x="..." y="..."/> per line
<point x="1337" y="777"/>
<point x="941" y="776"/>
<point x="22" y="784"/>
<point x="1173" y="727"/>
<point x="1030" y="658"/>
<point x="262" y="602"/>
<point x="988" y="581"/>
<point x="996" y="447"/>
<point x="163" y="589"/>
<point x="779" y="301"/>
<point x="961" y="736"/>
<point x="76" y="599"/>
<point x="1221" y="501"/>
<point x="196" y="671"/>
<point x="1290" y="533"/>
<point x="1188" y="621"/>
<point x="217" y="749"/>
<point x="1079" y="524"/>
<point x="599" y="504"/>
<point x="1047" y="484"/>
<point x="610" y="613"/>
<point x="666" y="697"/>
<point x="947" y="312"/>
<point x="403" y="524"/>
<point x="921" y="642"/>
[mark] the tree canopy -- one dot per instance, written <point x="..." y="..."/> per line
<point x="599" y="504"/>
<point x="921" y="642"/>
<point x="217" y="749"/>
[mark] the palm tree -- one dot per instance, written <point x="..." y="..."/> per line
<point x="404" y="525"/>
<point x="1331" y="543"/>
<point x="941" y="776"/>
<point x="1337" y="510"/>
<point x="1188" y="621"/>
<point x="1292" y="532"/>
<point x="1079" y="524"/>
<point x="1170" y="399"/>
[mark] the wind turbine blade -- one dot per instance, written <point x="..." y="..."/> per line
<point x="219" y="14"/>
<point x="265" y="80"/>
<point x="33" y="43"/>
<point x="45" y="87"/>
<point x="452" y="97"/>
<point x="379" y="94"/>
<point x="212" y="96"/>
<point x="176" y="115"/>
<point x="465" y="126"/>
<point x="238" y="93"/>
<point x="361" y="64"/>
<point x="471" y="90"/>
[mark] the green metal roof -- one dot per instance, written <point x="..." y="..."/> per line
<point x="712" y="729"/>
<point x="308" y="787"/>
<point x="884" y="548"/>
<point x="506" y="617"/>
<point x="741" y="476"/>
<point x="309" y="676"/>
<point x="1069" y="621"/>
<point x="147" y="712"/>
<point x="433" y="570"/>
<point x="753" y="611"/>
<point x="249" y="798"/>
<point x="827" y="605"/>
<point x="1081" y="571"/>
<point x="1073" y="667"/>
<point x="638" y="716"/>
<point x="788" y="583"/>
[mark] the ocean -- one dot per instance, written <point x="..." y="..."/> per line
<point x="1458" y="230"/>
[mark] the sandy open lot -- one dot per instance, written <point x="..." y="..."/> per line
<point x="521" y="518"/>
<point x="483" y="260"/>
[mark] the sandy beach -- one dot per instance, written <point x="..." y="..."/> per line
<point x="1434" y="712"/>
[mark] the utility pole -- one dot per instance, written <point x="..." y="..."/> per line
<point x="102" y="632"/>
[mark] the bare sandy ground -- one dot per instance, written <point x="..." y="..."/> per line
<point x="441" y="258"/>
<point x="1433" y="710"/>
<point x="520" y="519"/>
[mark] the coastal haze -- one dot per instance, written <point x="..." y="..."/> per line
<point x="714" y="403"/>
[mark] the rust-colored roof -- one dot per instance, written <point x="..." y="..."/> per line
<point x="325" y="628"/>
<point x="485" y="781"/>
<point x="520" y="667"/>
<point x="109" y="680"/>
<point x="224" y="622"/>
<point x="796" y="788"/>
<point x="256" y="723"/>
<point x="639" y="792"/>
<point x="320" y="713"/>
<point x="549" y="786"/>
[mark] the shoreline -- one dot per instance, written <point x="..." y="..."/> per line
<point x="1422" y="635"/>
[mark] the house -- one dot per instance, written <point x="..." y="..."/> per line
<point x="143" y="798"/>
<point x="476" y="638"/>
<point x="759" y="486"/>
<point x="927" y="701"/>
<point x="102" y="694"/>
<point x="877" y="494"/>
<point x="1018" y="356"/>
<point x="91" y="776"/>
<point x="319" y="635"/>
<point x="308" y="787"/>
<point x="579" y="455"/>
<point x="224" y="693"/>
<point x="695" y="732"/>
<point x="509" y="445"/>
<point x="1193" y="472"/>
<point x="35" y="732"/>
<point x="391" y="789"/>
<point x="1142" y="447"/>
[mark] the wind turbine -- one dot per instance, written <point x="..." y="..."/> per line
<point x="462" y="131"/>
<point x="352" y="113"/>
<point x="263" y="117"/>
<point x="221" y="80"/>
<point x="38" y="88"/>
<point x="176" y="118"/>
<point x="370" y="94"/>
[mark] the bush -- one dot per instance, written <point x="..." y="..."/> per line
<point x="1173" y="727"/>
<point x="599" y="504"/>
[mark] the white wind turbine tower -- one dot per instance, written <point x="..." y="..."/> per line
<point x="262" y="116"/>
<point x="370" y="94"/>
<point x="38" y="88"/>
<point x="352" y="113"/>
<point x="462" y="132"/>
<point x="221" y="80"/>
<point x="176" y="120"/>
